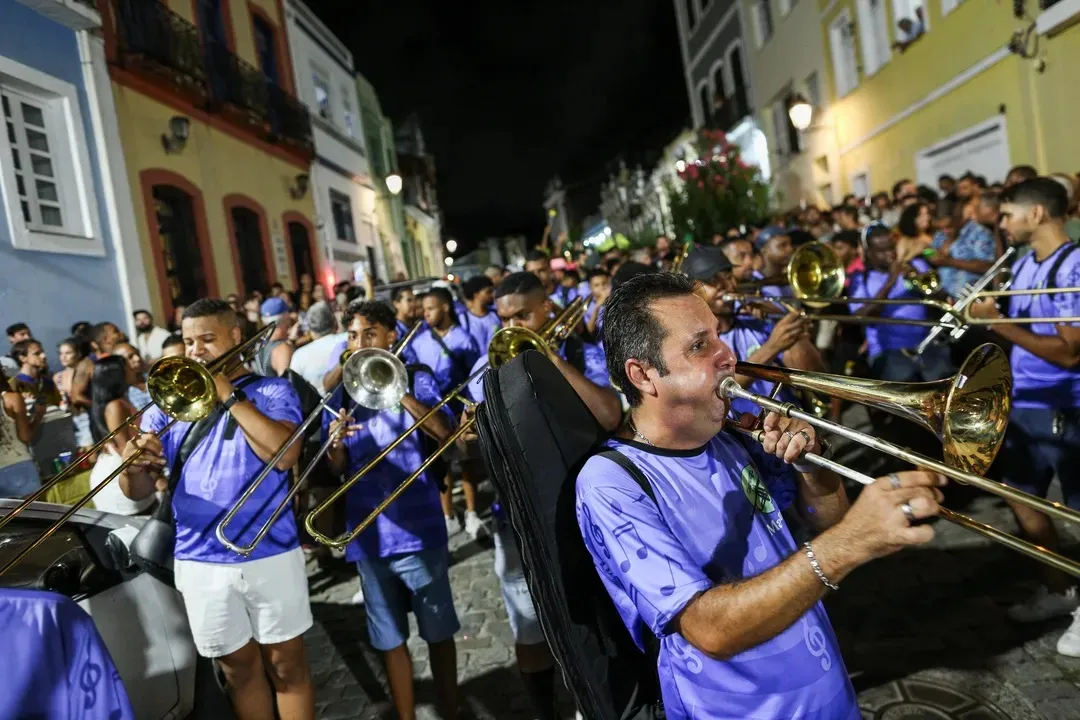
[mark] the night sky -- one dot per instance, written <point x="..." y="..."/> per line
<point x="511" y="93"/>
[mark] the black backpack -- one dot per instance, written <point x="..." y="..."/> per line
<point x="535" y="434"/>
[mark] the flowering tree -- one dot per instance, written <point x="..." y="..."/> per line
<point x="717" y="191"/>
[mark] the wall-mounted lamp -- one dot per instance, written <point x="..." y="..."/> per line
<point x="175" y="140"/>
<point x="393" y="183"/>
<point x="801" y="112"/>
<point x="300" y="185"/>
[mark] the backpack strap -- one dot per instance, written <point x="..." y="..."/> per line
<point x="1052" y="277"/>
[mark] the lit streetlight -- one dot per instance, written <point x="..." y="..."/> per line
<point x="801" y="112"/>
<point x="451" y="245"/>
<point x="449" y="261"/>
<point x="393" y="183"/>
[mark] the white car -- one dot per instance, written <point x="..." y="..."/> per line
<point x="141" y="619"/>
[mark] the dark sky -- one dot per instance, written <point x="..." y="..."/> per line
<point x="512" y="92"/>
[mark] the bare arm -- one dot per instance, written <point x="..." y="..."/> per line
<point x="26" y="427"/>
<point x="263" y="434"/>
<point x="437" y="426"/>
<point x="1062" y="349"/>
<point x="116" y="413"/>
<point x="280" y="357"/>
<point x="602" y="402"/>
<point x="80" y="384"/>
<point x="804" y="355"/>
<point x="333" y="378"/>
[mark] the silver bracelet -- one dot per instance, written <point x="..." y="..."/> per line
<point x="817" y="568"/>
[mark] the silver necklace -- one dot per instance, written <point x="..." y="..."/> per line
<point x="638" y="435"/>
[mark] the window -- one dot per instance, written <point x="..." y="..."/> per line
<point x="322" y="94"/>
<point x="705" y="98"/>
<point x="691" y="15"/>
<point x="763" y="25"/>
<point x="813" y="90"/>
<point x="185" y="273"/>
<point x="874" y="35"/>
<point x="45" y="183"/>
<point x="350" y="119"/>
<point x="842" y="44"/>
<point x="860" y="185"/>
<point x="779" y="128"/>
<point x="250" y="249"/>
<point x="719" y="90"/>
<point x="909" y="20"/>
<point x="266" y="49"/>
<point x="341" y="209"/>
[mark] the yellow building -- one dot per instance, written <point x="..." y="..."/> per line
<point x="957" y="98"/>
<point x="216" y="145"/>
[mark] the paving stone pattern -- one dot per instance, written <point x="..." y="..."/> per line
<point x="923" y="633"/>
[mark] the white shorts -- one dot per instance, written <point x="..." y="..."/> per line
<point x="231" y="604"/>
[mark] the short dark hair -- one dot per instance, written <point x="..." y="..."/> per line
<point x="535" y="255"/>
<point x="77" y="343"/>
<point x="211" y="307"/>
<point x="1050" y="194"/>
<point x="847" y="237"/>
<point x="1024" y="172"/>
<point x="172" y="341"/>
<point x="98" y="331"/>
<point x="374" y="312"/>
<point x="990" y="199"/>
<point x="397" y="292"/>
<point x="946" y="176"/>
<point x="81" y="328"/>
<point x="144" y="312"/>
<point x="906" y="223"/>
<point x="474" y="285"/>
<point x="442" y="294"/>
<point x="945" y="207"/>
<point x="631" y="331"/>
<point x="16" y="328"/>
<point x="22" y="348"/>
<point x="927" y="194"/>
<point x="597" y="272"/>
<point x="897" y="185"/>
<point x="519" y="283"/>
<point x="872" y="231"/>
<point x="847" y="210"/>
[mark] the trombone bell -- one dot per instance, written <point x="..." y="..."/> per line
<point x="375" y="379"/>
<point x="815" y="271"/>
<point x="509" y="342"/>
<point x="182" y="387"/>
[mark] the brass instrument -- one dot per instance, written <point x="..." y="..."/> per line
<point x="968" y="320"/>
<point x="506" y="344"/>
<point x="813" y="271"/>
<point x="926" y="283"/>
<point x="375" y="379"/>
<point x="968" y="412"/>
<point x="677" y="263"/>
<point x="40" y="391"/>
<point x="789" y="306"/>
<point x="183" y="388"/>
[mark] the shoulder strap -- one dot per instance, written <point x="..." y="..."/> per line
<point x="635" y="472"/>
<point x="454" y="360"/>
<point x="1052" y="277"/>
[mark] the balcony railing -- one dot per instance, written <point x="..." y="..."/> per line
<point x="154" y="39"/>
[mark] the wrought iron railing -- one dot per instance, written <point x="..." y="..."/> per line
<point x="153" y="38"/>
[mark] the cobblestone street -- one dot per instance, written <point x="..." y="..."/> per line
<point x="924" y="635"/>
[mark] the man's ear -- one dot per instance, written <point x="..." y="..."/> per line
<point x="639" y="377"/>
<point x="236" y="334"/>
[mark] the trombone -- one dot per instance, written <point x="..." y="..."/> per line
<point x="968" y="413"/>
<point x="505" y="345"/>
<point x="677" y="263"/>
<point x="375" y="379"/>
<point x="183" y="388"/>
<point x="813" y="271"/>
<point x="968" y="320"/>
<point x="818" y="302"/>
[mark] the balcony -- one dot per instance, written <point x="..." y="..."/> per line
<point x="729" y="112"/>
<point x="153" y="40"/>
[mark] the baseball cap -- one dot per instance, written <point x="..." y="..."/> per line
<point x="272" y="307"/>
<point x="768" y="234"/>
<point x="704" y="262"/>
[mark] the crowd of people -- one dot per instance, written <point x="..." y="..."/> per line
<point x="730" y="301"/>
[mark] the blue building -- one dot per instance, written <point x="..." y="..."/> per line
<point x="68" y="244"/>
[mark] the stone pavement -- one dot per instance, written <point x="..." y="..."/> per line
<point x="923" y="633"/>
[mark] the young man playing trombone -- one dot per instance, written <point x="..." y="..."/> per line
<point x="403" y="560"/>
<point x="247" y="612"/>
<point x="1043" y="439"/>
<point x="711" y="568"/>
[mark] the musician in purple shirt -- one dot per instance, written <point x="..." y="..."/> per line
<point x="1043" y="438"/>
<point x="247" y="612"/>
<point x="478" y="319"/>
<point x="523" y="302"/>
<point x="774" y="245"/>
<point x="403" y="559"/>
<point x="889" y="346"/>
<point x="711" y="568"/>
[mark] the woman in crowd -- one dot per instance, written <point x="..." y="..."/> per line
<point x="915" y="232"/>
<point x="71" y="351"/>
<point x="18" y="472"/>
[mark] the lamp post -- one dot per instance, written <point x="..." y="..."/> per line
<point x="801" y="112"/>
<point x="393" y="183"/>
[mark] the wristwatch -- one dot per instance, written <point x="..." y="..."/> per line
<point x="237" y="396"/>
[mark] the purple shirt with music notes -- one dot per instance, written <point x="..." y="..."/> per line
<point x="880" y="338"/>
<point x="450" y="368"/>
<point x="744" y="338"/>
<point x="717" y="519"/>
<point x="1039" y="383"/>
<point x="414" y="521"/>
<point x="219" y="470"/>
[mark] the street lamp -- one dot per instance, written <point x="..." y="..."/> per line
<point x="801" y="112"/>
<point x="449" y="261"/>
<point x="393" y="183"/>
<point x="451" y="245"/>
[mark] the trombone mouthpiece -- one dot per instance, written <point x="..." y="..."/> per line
<point x="730" y="388"/>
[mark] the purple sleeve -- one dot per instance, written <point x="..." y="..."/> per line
<point x="153" y="420"/>
<point x="97" y="692"/>
<point x="632" y="547"/>
<point x="858" y="289"/>
<point x="276" y="399"/>
<point x="427" y="392"/>
<point x="475" y="389"/>
<point x="1068" y="304"/>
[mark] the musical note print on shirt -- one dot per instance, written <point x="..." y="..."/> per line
<point x="755" y="490"/>
<point x="814" y="638"/>
<point x="684" y="651"/>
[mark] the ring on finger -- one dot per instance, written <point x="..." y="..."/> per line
<point x="908" y="512"/>
<point x="894" y="480"/>
<point x="789" y="435"/>
<point x="806" y="436"/>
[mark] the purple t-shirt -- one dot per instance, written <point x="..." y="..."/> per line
<point x="482" y="329"/>
<point x="880" y="338"/>
<point x="414" y="521"/>
<point x="55" y="662"/>
<point x="1038" y="383"/>
<point x="771" y="290"/>
<point x="744" y="338"/>
<point x="219" y="470"/>
<point x="564" y="295"/>
<point x="717" y="519"/>
<point x="450" y="368"/>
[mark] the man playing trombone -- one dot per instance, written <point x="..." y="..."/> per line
<point x="247" y="612"/>
<point x="403" y="560"/>
<point x="1043" y="438"/>
<point x="710" y="568"/>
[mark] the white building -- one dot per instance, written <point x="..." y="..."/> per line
<point x="787" y="59"/>
<point x="341" y="181"/>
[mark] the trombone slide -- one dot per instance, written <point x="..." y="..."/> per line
<point x="1036" y="552"/>
<point x="968" y="320"/>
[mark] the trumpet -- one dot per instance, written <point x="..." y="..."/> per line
<point x="505" y="345"/>
<point x="968" y="413"/>
<point x="375" y="379"/>
<point x="183" y="388"/>
<point x="677" y="263"/>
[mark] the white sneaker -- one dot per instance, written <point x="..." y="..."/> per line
<point x="453" y="525"/>
<point x="1069" y="643"/>
<point x="473" y="524"/>
<point x="1045" y="605"/>
<point x="358" y="598"/>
